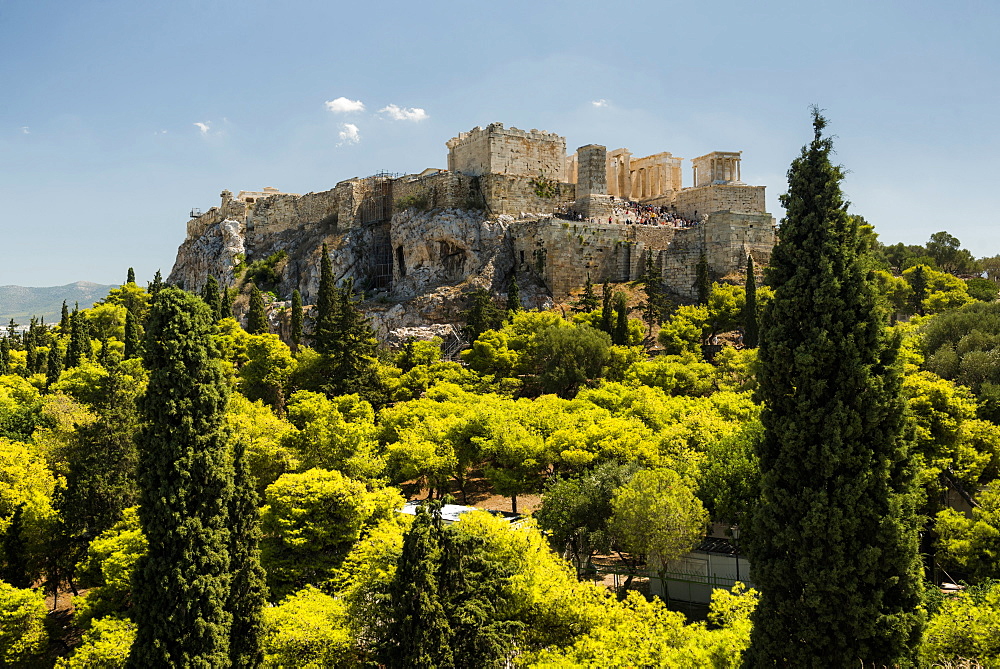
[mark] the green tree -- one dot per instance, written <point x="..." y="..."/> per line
<point x="133" y="338"/>
<point x="53" y="366"/>
<point x="296" y="320"/>
<point x="210" y="293"/>
<point x="185" y="482"/>
<point x="226" y="303"/>
<point x="750" y="324"/>
<point x="513" y="294"/>
<point x="79" y="340"/>
<point x="130" y="278"/>
<point x="248" y="591"/>
<point x="833" y="542"/>
<point x="589" y="301"/>
<point x="607" y="308"/>
<point x="22" y="633"/>
<point x="918" y="288"/>
<point x="14" y="551"/>
<point x="156" y="285"/>
<point x="575" y="511"/>
<point x="483" y="314"/>
<point x="308" y="630"/>
<point x="257" y="315"/>
<point x="619" y="335"/>
<point x="64" y="319"/>
<point x="702" y="280"/>
<point x="657" y="305"/>
<point x="327" y="303"/>
<point x="657" y="514"/>
<point x="4" y="356"/>
<point x="419" y="633"/>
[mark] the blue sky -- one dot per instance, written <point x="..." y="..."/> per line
<point x="103" y="155"/>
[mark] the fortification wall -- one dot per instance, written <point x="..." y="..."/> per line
<point x="229" y="208"/>
<point x="693" y="202"/>
<point x="277" y="213"/>
<point x="437" y="191"/>
<point x="507" y="194"/>
<point x="511" y="151"/>
<point x="562" y="253"/>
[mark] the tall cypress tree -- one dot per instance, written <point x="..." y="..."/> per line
<point x="296" y="319"/>
<point x="419" y="634"/>
<point x="4" y="356"/>
<point x="588" y="302"/>
<point x="918" y="286"/>
<point x="79" y="339"/>
<point x="130" y="278"/>
<point x="750" y="323"/>
<point x="156" y="285"/>
<point x="133" y="342"/>
<point x="64" y="319"/>
<point x="834" y="541"/>
<point x="210" y="293"/>
<point x="226" y="303"/>
<point x="619" y="336"/>
<point x="248" y="593"/>
<point x="607" y="308"/>
<point x="513" y="294"/>
<point x="325" y="331"/>
<point x="53" y="366"/>
<point x="702" y="280"/>
<point x="257" y="315"/>
<point x="15" y="552"/>
<point x="181" y="584"/>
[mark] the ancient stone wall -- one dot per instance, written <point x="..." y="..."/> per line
<point x="694" y="202"/>
<point x="499" y="150"/>
<point x="277" y="213"/>
<point x="515" y="194"/>
<point x="437" y="191"/>
<point x="562" y="253"/>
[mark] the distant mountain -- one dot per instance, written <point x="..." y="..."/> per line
<point x="21" y="303"/>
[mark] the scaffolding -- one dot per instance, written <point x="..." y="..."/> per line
<point x="375" y="211"/>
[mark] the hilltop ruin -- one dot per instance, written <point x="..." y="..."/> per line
<point x="509" y="201"/>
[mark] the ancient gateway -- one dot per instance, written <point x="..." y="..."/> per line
<point x="509" y="201"/>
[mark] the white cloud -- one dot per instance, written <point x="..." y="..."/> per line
<point x="343" y="106"/>
<point x="25" y="130"/>
<point x="600" y="103"/>
<point x="404" y="113"/>
<point x="204" y="127"/>
<point x="349" y="134"/>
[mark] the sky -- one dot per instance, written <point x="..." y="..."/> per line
<point x="118" y="117"/>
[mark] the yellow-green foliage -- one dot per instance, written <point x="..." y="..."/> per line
<point x="25" y="479"/>
<point x="107" y="570"/>
<point x="22" y="625"/>
<point x="972" y="543"/>
<point x="268" y="456"/>
<point x="308" y="630"/>
<point x="641" y="633"/>
<point x="338" y="433"/>
<point x="966" y="627"/>
<point x="684" y="331"/>
<point x="106" y="644"/>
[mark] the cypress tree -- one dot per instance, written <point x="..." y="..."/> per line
<point x="133" y="342"/>
<point x="620" y="335"/>
<point x="248" y="593"/>
<point x="31" y="361"/>
<point x="15" y="552"/>
<point x="833" y="541"/>
<point x="325" y="332"/>
<point x="918" y="286"/>
<point x="607" y="296"/>
<point x="702" y="281"/>
<point x="157" y="284"/>
<point x="64" y="319"/>
<point x="257" y="316"/>
<point x="79" y="339"/>
<point x="131" y="276"/>
<point x="4" y="356"/>
<point x="352" y="347"/>
<point x="750" y="326"/>
<point x="226" y="303"/>
<point x="483" y="314"/>
<point x="296" y="319"/>
<point x="588" y="302"/>
<point x="210" y="293"/>
<point x="513" y="294"/>
<point x="53" y="366"/>
<point x="181" y="584"/>
<point x="419" y="634"/>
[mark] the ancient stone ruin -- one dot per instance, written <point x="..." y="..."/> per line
<point x="511" y="201"/>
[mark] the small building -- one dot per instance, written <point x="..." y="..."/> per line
<point x="693" y="577"/>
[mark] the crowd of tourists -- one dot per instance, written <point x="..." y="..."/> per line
<point x="626" y="212"/>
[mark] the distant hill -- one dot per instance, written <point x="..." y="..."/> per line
<point x="21" y="303"/>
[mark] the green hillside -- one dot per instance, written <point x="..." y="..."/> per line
<point x="21" y="302"/>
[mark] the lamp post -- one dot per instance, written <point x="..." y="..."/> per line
<point x="735" y="529"/>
